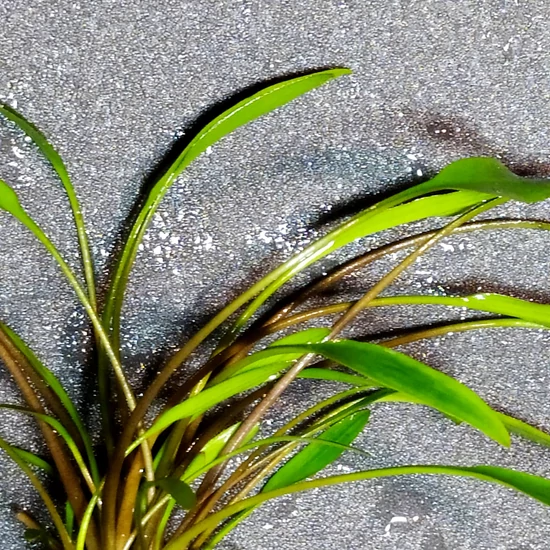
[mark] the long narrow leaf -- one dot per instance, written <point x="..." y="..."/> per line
<point x="488" y="302"/>
<point x="533" y="486"/>
<point x="398" y="371"/>
<point x="59" y="166"/>
<point x="385" y="367"/>
<point x="200" y="403"/>
<point x="265" y="357"/>
<point x="312" y="459"/>
<point x="262" y="102"/>
<point x="50" y="506"/>
<point x="56" y="386"/>
<point x="61" y="430"/>
<point x="34" y="460"/>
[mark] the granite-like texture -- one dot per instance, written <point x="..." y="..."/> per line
<point x="113" y="82"/>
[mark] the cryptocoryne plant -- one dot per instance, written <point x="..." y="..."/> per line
<point x="168" y="480"/>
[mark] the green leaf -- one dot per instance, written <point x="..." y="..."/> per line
<point x="56" y="386"/>
<point x="59" y="166"/>
<point x="533" y="486"/>
<point x="64" y="434"/>
<point x="34" y="460"/>
<point x="372" y="220"/>
<point x="398" y="371"/>
<point x="48" y="502"/>
<point x="331" y="375"/>
<point x="211" y="450"/>
<point x="200" y="403"/>
<point x="9" y="201"/>
<point x="525" y="430"/>
<point x="513" y="425"/>
<point x="312" y="459"/>
<point x="489" y="302"/>
<point x="177" y="489"/>
<point x="265" y="357"/>
<point x="258" y="104"/>
<point x="214" y="447"/>
<point x="487" y="175"/>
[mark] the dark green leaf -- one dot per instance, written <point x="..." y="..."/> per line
<point x="177" y="489"/>
<point x="313" y="458"/>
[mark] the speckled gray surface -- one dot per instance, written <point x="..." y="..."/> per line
<point x="112" y="82"/>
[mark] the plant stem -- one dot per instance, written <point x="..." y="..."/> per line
<point x="257" y="414"/>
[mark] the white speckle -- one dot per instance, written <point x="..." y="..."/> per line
<point x="447" y="247"/>
<point x="163" y="235"/>
<point x="157" y="250"/>
<point x="430" y="280"/>
<point x="174" y="240"/>
<point x="28" y="139"/>
<point x="140" y="246"/>
<point x="13" y="164"/>
<point x="461" y="246"/>
<point x="419" y="172"/>
<point x="176" y="271"/>
<point x="394" y="520"/>
<point x="208" y="245"/>
<point x="264" y="237"/>
<point x="268" y="526"/>
<point x="208" y="150"/>
<point x="479" y="297"/>
<point x="411" y="157"/>
<point x="17" y="152"/>
<point x="415" y="518"/>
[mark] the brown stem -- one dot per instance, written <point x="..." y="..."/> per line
<point x="13" y="361"/>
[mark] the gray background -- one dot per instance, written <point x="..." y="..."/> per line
<point x="113" y="83"/>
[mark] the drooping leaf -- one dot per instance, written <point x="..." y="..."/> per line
<point x="397" y="371"/>
<point x="400" y="372"/>
<point x="531" y="485"/>
<point x="312" y="459"/>
<point x="487" y="175"/>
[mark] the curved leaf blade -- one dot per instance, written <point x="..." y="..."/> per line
<point x="312" y="459"/>
<point x="56" y="386"/>
<point x="397" y="371"/>
<point x="488" y="175"/>
<point x="531" y="485"/>
<point x="253" y="107"/>
<point x="200" y="403"/>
